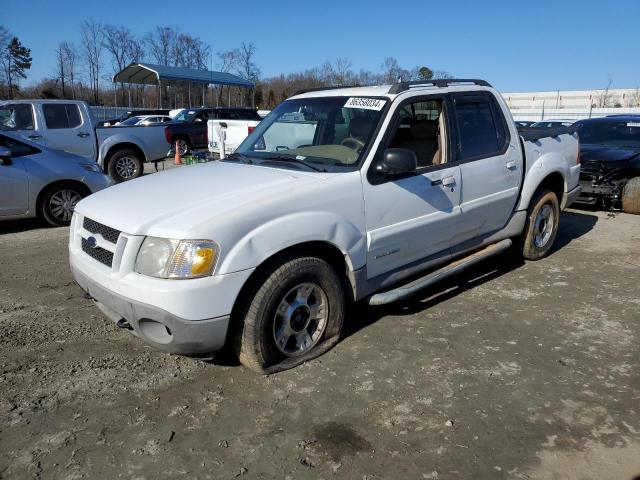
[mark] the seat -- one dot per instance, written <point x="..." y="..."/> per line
<point x="425" y="142"/>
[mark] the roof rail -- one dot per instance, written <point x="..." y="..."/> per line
<point x="442" y="83"/>
<point x="318" y="89"/>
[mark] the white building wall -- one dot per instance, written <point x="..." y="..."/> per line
<point x="574" y="99"/>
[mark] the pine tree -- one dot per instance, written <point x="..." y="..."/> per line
<point x="16" y="59"/>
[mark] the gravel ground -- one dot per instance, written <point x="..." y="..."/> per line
<point x="510" y="370"/>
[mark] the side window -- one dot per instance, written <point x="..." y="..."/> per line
<point x="17" y="117"/>
<point x="421" y="127"/>
<point x="57" y="116"/>
<point x="18" y="149"/>
<point x="481" y="131"/>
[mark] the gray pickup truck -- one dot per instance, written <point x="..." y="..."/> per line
<point x="68" y="125"/>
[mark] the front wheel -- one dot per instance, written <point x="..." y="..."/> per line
<point x="58" y="202"/>
<point x="541" y="227"/>
<point x="125" y="165"/>
<point x="294" y="314"/>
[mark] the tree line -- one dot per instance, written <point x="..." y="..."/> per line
<point x="84" y="70"/>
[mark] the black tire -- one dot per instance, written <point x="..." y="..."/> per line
<point x="125" y="165"/>
<point x="534" y="243"/>
<point x="57" y="202"/>
<point x="260" y="322"/>
<point x="631" y="196"/>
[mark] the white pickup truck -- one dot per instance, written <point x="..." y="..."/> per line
<point x="393" y="188"/>
<point x="68" y="125"/>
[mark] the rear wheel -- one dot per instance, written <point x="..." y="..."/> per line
<point x="125" y="165"/>
<point x="295" y="313"/>
<point x="58" y="202"/>
<point x="631" y="196"/>
<point x="541" y="227"/>
<point x="182" y="145"/>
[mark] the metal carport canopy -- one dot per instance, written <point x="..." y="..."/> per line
<point x="150" y="74"/>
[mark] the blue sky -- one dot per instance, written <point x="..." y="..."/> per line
<point x="517" y="46"/>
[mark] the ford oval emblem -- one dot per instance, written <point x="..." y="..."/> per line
<point x="92" y="242"/>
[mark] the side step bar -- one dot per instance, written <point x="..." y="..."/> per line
<point x="458" y="266"/>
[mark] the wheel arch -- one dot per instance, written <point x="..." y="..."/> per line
<point x="49" y="186"/>
<point x="113" y="149"/>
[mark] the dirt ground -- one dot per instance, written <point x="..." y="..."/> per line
<point x="510" y="370"/>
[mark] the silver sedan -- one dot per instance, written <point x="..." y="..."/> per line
<point x="36" y="181"/>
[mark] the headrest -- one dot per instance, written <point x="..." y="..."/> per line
<point x="360" y="127"/>
<point x="424" y="129"/>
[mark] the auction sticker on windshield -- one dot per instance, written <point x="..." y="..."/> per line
<point x="366" y="103"/>
<point x="633" y="124"/>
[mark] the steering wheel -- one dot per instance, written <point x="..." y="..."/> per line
<point x="352" y="143"/>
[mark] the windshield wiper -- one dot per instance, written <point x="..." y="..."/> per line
<point x="285" y="158"/>
<point x="238" y="156"/>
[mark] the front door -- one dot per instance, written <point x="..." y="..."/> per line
<point x="14" y="179"/>
<point x="412" y="217"/>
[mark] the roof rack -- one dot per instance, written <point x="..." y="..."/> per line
<point x="318" y="89"/>
<point x="442" y="83"/>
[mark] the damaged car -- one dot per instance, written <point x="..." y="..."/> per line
<point x="610" y="157"/>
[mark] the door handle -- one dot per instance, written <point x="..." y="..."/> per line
<point x="83" y="134"/>
<point x="445" y="181"/>
<point x="35" y="137"/>
<point x="512" y="165"/>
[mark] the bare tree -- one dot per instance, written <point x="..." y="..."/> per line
<point x="69" y="59"/>
<point x="247" y="67"/>
<point x="604" y="97"/>
<point x="122" y="46"/>
<point x="92" y="46"/>
<point x="160" y="45"/>
<point x="342" y="71"/>
<point x="61" y="74"/>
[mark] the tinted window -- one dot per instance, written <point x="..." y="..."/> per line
<point x="248" y="115"/>
<point x="18" y="149"/>
<point x="16" y="117"/>
<point x="61" y="116"/>
<point x="479" y="132"/>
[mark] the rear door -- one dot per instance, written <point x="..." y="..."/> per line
<point x="68" y="129"/>
<point x="490" y="164"/>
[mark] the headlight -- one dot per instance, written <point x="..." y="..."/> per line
<point x="91" y="167"/>
<point x="166" y="258"/>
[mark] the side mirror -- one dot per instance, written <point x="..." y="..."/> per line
<point x="5" y="156"/>
<point x="397" y="161"/>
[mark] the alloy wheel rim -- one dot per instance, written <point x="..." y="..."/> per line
<point x="126" y="167"/>
<point x="62" y="203"/>
<point x="543" y="226"/>
<point x="183" y="148"/>
<point x="300" y="319"/>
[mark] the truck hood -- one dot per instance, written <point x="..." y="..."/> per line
<point x="170" y="204"/>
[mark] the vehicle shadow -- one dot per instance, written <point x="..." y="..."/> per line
<point x="360" y="315"/>
<point x="22" y="225"/>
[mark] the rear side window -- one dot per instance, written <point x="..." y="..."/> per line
<point x="248" y="115"/>
<point x="61" y="116"/>
<point x="481" y="129"/>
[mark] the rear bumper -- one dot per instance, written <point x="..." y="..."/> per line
<point x="571" y="197"/>
<point x="156" y="326"/>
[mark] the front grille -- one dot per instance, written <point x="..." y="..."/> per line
<point x="98" y="253"/>
<point x="108" y="233"/>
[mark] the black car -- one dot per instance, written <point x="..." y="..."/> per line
<point x="610" y="162"/>
<point x="189" y="127"/>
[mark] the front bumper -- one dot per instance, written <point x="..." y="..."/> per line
<point x="155" y="326"/>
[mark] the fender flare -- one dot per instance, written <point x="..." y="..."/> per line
<point x="117" y="139"/>
<point x="274" y="236"/>
<point x="545" y="165"/>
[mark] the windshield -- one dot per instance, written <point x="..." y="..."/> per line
<point x="131" y="121"/>
<point x="619" y="134"/>
<point x="184" y="116"/>
<point x="326" y="131"/>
